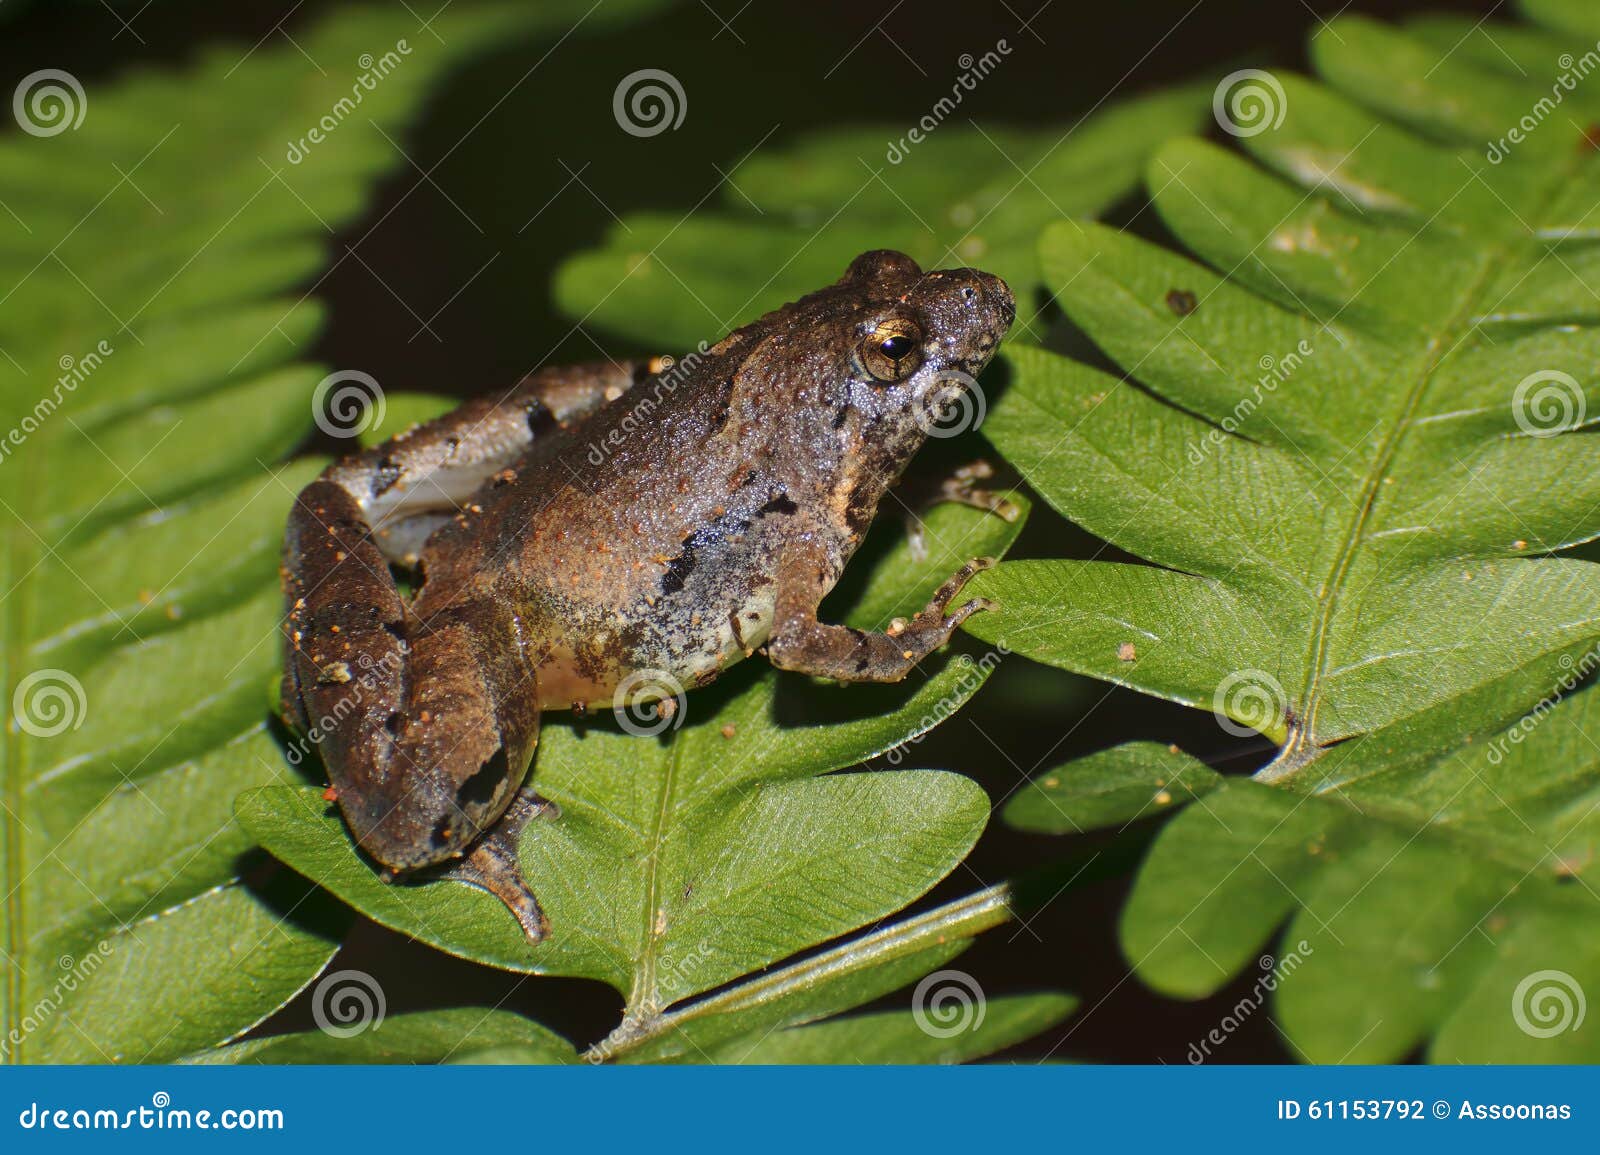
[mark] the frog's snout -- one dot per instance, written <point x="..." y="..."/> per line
<point x="998" y="300"/>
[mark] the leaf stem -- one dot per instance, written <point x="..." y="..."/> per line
<point x="960" y="919"/>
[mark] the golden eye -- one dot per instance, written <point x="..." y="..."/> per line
<point x="892" y="352"/>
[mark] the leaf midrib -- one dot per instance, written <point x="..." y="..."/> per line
<point x="19" y="556"/>
<point x="1299" y="751"/>
<point x="642" y="1002"/>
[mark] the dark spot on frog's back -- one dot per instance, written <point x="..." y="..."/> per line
<point x="722" y="407"/>
<point x="680" y="567"/>
<point x="541" y="420"/>
<point x="781" y="504"/>
<point x="678" y="570"/>
<point x="385" y="477"/>
<point x="1181" y="301"/>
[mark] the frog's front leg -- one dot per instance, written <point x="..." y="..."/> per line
<point x="801" y="643"/>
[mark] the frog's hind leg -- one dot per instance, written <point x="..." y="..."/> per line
<point x="419" y="479"/>
<point x="426" y="728"/>
<point x="494" y="865"/>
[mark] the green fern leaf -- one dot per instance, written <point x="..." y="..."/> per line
<point x="965" y="195"/>
<point x="1354" y="438"/>
<point x="153" y="258"/>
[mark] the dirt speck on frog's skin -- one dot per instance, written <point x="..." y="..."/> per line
<point x="559" y="543"/>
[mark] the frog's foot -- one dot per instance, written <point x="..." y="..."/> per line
<point x="937" y="620"/>
<point x="493" y="864"/>
<point x="960" y="488"/>
<point x="800" y="642"/>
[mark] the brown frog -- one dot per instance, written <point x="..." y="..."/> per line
<point x="603" y="520"/>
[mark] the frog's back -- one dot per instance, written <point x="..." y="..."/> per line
<point x="646" y="541"/>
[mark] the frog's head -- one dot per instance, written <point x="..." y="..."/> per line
<point x="919" y="339"/>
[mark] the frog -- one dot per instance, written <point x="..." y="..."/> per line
<point x="537" y="551"/>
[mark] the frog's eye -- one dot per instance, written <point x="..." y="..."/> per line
<point x="892" y="352"/>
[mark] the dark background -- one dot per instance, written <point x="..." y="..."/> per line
<point x="454" y="251"/>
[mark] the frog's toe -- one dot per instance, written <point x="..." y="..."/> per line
<point x="493" y="865"/>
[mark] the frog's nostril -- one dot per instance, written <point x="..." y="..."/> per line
<point x="998" y="294"/>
